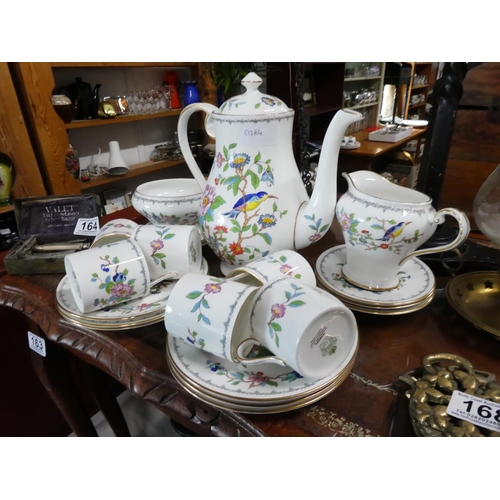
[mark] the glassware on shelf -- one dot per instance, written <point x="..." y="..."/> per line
<point x="486" y="207"/>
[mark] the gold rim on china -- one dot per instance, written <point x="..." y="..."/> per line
<point x="117" y="326"/>
<point x="372" y="303"/>
<point x="263" y="401"/>
<point x="272" y="407"/>
<point x="391" y="312"/>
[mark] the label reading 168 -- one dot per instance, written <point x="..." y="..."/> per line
<point x="475" y="410"/>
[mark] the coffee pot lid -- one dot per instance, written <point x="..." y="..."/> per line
<point x="253" y="102"/>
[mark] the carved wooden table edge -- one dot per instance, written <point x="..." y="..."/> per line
<point x="91" y="347"/>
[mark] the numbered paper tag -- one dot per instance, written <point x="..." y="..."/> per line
<point x="87" y="227"/>
<point x="258" y="134"/>
<point x="475" y="410"/>
<point x="37" y="344"/>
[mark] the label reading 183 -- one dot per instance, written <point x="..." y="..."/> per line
<point x="87" y="227"/>
<point x="36" y="344"/>
<point x="475" y="410"/>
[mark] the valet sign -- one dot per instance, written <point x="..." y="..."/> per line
<point x="475" y="410"/>
<point x="260" y="133"/>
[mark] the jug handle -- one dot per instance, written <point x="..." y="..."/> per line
<point x="182" y="135"/>
<point x="463" y="233"/>
<point x="255" y="361"/>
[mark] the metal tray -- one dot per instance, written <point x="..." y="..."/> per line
<point x="476" y="297"/>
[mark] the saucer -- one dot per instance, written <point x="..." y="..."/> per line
<point x="131" y="310"/>
<point x="257" y="407"/>
<point x="416" y="283"/>
<point x="356" y="145"/>
<point x="236" y="383"/>
<point x="389" y="311"/>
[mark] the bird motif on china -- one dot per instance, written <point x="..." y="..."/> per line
<point x="393" y="232"/>
<point x="247" y="203"/>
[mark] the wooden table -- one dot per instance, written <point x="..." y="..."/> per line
<point x="370" y="153"/>
<point x="370" y="402"/>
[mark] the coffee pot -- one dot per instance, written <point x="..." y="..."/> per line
<point x="255" y="201"/>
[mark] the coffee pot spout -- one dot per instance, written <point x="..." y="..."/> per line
<point x="316" y="215"/>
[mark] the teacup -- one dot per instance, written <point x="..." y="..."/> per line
<point x="303" y="327"/>
<point x="107" y="275"/>
<point x="209" y="313"/>
<point x="348" y="140"/>
<point x="113" y="231"/>
<point x="275" y="265"/>
<point x="173" y="249"/>
<point x="383" y="224"/>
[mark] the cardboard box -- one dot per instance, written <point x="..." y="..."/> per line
<point x="390" y="134"/>
<point x="45" y="221"/>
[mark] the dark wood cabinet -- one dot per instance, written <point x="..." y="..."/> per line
<point x="324" y="81"/>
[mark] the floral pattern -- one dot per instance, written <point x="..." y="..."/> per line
<point x="278" y="311"/>
<point x="117" y="286"/>
<point x="316" y="226"/>
<point x="157" y="245"/>
<point x="247" y="219"/>
<point x="285" y="269"/>
<point x="383" y="234"/>
<point x="193" y="339"/>
<point x="214" y="287"/>
<point x="250" y="378"/>
<point x="188" y="219"/>
<point x="117" y="225"/>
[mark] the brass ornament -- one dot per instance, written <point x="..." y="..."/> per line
<point x="432" y="386"/>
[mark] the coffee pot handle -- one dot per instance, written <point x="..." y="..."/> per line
<point x="240" y="353"/>
<point x="463" y="233"/>
<point x="182" y="134"/>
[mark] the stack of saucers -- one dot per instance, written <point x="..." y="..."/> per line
<point x="143" y="311"/>
<point x="267" y="388"/>
<point x="415" y="291"/>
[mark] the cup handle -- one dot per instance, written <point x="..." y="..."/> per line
<point x="463" y="233"/>
<point x="255" y="361"/>
<point x="171" y="275"/>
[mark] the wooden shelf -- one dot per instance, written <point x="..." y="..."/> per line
<point x="359" y="106"/>
<point x="416" y="87"/>
<point x="121" y="119"/>
<point x="134" y="171"/>
<point x="6" y="208"/>
<point x="360" y="78"/>
<point x="419" y="105"/>
<point x="122" y="64"/>
<point x="319" y="110"/>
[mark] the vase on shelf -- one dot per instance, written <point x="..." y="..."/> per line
<point x="63" y="106"/>
<point x="6" y="179"/>
<point x="95" y="100"/>
<point x="191" y="94"/>
<point x="73" y="162"/>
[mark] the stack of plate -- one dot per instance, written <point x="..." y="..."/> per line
<point x="131" y="314"/>
<point x="267" y="388"/>
<point x="416" y="286"/>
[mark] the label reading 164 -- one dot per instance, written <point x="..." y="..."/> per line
<point x="87" y="227"/>
<point x="475" y="410"/>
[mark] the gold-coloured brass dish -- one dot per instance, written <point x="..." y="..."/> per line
<point x="476" y="297"/>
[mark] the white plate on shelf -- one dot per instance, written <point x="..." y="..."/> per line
<point x="416" y="123"/>
<point x="356" y="145"/>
